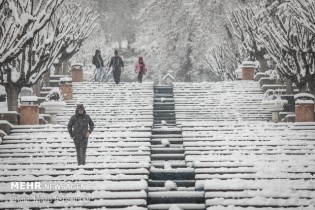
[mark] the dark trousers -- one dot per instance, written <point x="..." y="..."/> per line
<point x="140" y="74"/>
<point x="116" y="74"/>
<point x="81" y="143"/>
<point x="140" y="78"/>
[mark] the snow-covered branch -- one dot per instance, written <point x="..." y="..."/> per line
<point x="246" y="22"/>
<point x="20" y="23"/>
<point x="222" y="61"/>
<point x="74" y="27"/>
<point x="291" y="45"/>
<point x="35" y="59"/>
<point x="304" y="12"/>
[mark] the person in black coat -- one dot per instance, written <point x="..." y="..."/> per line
<point x="99" y="64"/>
<point x="117" y="63"/>
<point x="80" y="127"/>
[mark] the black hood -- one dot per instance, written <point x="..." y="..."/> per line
<point x="80" y="106"/>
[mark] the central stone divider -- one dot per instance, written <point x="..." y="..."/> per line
<point x="171" y="179"/>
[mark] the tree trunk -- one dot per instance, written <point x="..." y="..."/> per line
<point x="302" y="88"/>
<point x="312" y="87"/>
<point x="37" y="88"/>
<point x="58" y="68"/>
<point x="13" y="92"/>
<point x="131" y="38"/>
<point x="279" y="81"/>
<point x="289" y="87"/>
<point x="65" y="64"/>
<point x="263" y="63"/>
<point x="47" y="78"/>
<point x="120" y="44"/>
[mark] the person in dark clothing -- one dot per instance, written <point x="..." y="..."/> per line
<point x="117" y="63"/>
<point x="80" y="127"/>
<point x="140" y="69"/>
<point x="99" y="64"/>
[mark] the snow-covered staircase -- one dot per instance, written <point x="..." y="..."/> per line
<point x="242" y="161"/>
<point x="171" y="181"/>
<point x="118" y="154"/>
<point x="216" y="145"/>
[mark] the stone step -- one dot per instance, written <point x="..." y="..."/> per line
<point x="160" y="109"/>
<point x="171" y="111"/>
<point x="158" y="124"/>
<point x="166" y="90"/>
<point x="163" y="114"/>
<point x="166" y="136"/>
<point x="168" y="156"/>
<point x="171" y="140"/>
<point x="163" y="105"/>
<point x="165" y="189"/>
<point x="176" y="197"/>
<point x="167" y="150"/>
<point x="183" y="206"/>
<point x="172" y="163"/>
<point x="179" y="183"/>
<point x="168" y="120"/>
<point x="166" y="130"/>
<point x="163" y="95"/>
<point x="172" y="174"/>
<point x="169" y="100"/>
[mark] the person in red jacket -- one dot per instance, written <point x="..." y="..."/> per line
<point x="140" y="69"/>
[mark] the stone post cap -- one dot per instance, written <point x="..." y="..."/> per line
<point x="248" y="64"/>
<point x="77" y="66"/>
<point x="64" y="80"/>
<point x="28" y="98"/>
<point x="26" y="91"/>
<point x="304" y="96"/>
<point x="299" y="101"/>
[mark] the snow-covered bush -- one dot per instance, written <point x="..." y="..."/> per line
<point x="288" y="41"/>
<point x="54" y="95"/>
<point x="272" y="101"/>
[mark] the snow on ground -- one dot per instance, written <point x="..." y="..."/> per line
<point x="227" y="154"/>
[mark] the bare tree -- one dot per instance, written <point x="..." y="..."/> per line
<point x="27" y="68"/>
<point x="20" y="22"/>
<point x="291" y="45"/>
<point x="305" y="16"/>
<point x="222" y="61"/>
<point x="77" y="23"/>
<point x="246" y="28"/>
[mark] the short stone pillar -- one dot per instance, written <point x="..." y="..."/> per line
<point x="77" y="72"/>
<point x="66" y="88"/>
<point x="304" y="107"/>
<point x="53" y="108"/>
<point x="26" y="91"/>
<point x="10" y="116"/>
<point x="169" y="77"/>
<point x="275" y="116"/>
<point x="29" y="115"/>
<point x="248" y="71"/>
